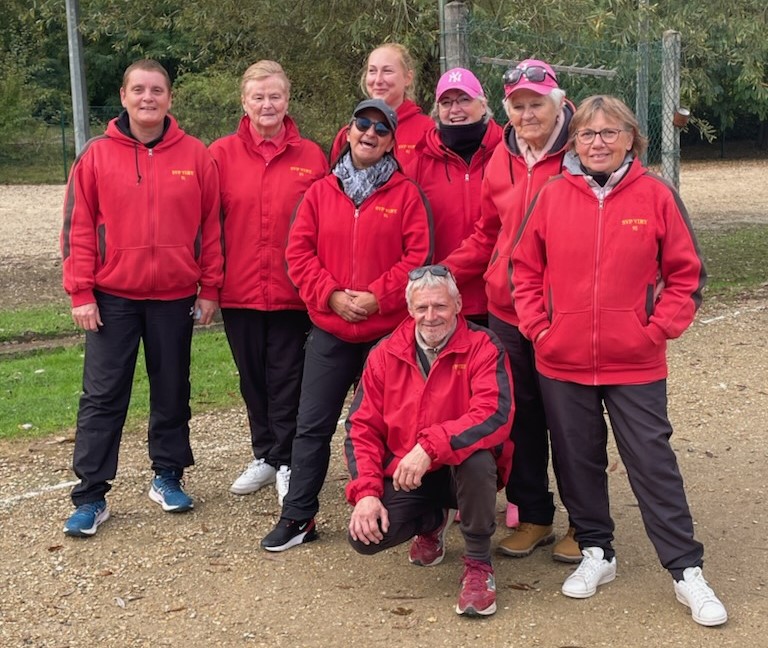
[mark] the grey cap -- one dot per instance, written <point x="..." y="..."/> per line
<point x="390" y="116"/>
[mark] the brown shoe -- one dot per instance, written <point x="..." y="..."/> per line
<point x="526" y="538"/>
<point x="567" y="549"/>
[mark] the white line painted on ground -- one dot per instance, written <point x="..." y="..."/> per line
<point x="734" y="314"/>
<point x="40" y="491"/>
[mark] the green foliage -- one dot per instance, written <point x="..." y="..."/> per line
<point x="207" y="104"/>
<point x="39" y="393"/>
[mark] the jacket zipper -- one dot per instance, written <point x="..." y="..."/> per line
<point x="595" y="279"/>
<point x="354" y="245"/>
<point x="152" y="219"/>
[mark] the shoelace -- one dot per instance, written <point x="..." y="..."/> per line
<point x="588" y="567"/>
<point x="476" y="572"/>
<point x="700" y="591"/>
<point x="169" y="485"/>
<point x="90" y="507"/>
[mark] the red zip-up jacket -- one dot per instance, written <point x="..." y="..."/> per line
<point x="334" y="245"/>
<point x="464" y="405"/>
<point x="612" y="279"/>
<point x="411" y="126"/>
<point x="453" y="189"/>
<point x="142" y="223"/>
<point x="507" y="190"/>
<point x="257" y="202"/>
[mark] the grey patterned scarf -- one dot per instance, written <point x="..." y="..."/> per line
<point x="360" y="183"/>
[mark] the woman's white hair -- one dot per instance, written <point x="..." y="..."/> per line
<point x="556" y="95"/>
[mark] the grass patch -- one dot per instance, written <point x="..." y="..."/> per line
<point x="736" y="260"/>
<point x="39" y="393"/>
<point x="35" y="323"/>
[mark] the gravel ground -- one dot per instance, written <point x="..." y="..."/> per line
<point x="199" y="579"/>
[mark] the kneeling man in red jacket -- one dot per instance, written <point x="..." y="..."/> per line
<point x="428" y="433"/>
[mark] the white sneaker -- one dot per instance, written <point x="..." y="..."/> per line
<point x="593" y="570"/>
<point x="282" y="482"/>
<point x="257" y="475"/>
<point x="695" y="592"/>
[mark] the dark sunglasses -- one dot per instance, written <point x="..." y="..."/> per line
<point x="382" y="129"/>
<point x="535" y="74"/>
<point x="436" y="270"/>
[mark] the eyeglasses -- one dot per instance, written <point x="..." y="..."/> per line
<point x="608" y="135"/>
<point x="382" y="129"/>
<point x="436" y="270"/>
<point x="535" y="73"/>
<point x="462" y="102"/>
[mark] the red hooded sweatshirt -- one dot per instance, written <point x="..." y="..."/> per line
<point x="611" y="279"/>
<point x="142" y="223"/>
<point x="334" y="245"/>
<point x="257" y="202"/>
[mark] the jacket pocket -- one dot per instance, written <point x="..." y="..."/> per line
<point x="623" y="339"/>
<point x="498" y="281"/>
<point x="568" y="342"/>
<point x="143" y="270"/>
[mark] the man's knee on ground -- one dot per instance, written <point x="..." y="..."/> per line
<point x="365" y="549"/>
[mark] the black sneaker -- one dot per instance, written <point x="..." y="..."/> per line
<point x="289" y="533"/>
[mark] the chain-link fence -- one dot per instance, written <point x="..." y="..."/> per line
<point x="582" y="70"/>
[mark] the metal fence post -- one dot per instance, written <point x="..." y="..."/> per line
<point x="670" y="100"/>
<point x="64" y="145"/>
<point x="456" y="30"/>
<point x="77" y="76"/>
<point x="643" y="67"/>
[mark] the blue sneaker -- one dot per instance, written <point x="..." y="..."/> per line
<point x="167" y="492"/>
<point x="86" y="519"/>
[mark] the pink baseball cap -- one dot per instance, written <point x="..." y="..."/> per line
<point x="459" y="79"/>
<point x="530" y="74"/>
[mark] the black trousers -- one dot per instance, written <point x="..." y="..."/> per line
<point x="528" y="484"/>
<point x="165" y="327"/>
<point x="470" y="487"/>
<point x="268" y="349"/>
<point x="331" y="367"/>
<point x="638" y="415"/>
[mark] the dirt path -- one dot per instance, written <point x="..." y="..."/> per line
<point x="154" y="579"/>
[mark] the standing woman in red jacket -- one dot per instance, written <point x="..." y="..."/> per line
<point x="532" y="149"/>
<point x="265" y="168"/>
<point x="356" y="234"/>
<point x="450" y="165"/>
<point x="606" y="270"/>
<point x="141" y="245"/>
<point x="390" y="75"/>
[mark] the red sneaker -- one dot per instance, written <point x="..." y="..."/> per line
<point x="429" y="549"/>
<point x="477" y="596"/>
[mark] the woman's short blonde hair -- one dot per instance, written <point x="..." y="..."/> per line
<point x="263" y="69"/>
<point x="406" y="60"/>
<point x="613" y="108"/>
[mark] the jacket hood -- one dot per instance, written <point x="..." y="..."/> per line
<point x="577" y="176"/>
<point x="407" y="109"/>
<point x="171" y="135"/>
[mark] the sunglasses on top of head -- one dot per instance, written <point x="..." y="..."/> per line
<point x="381" y="128"/>
<point x="535" y="74"/>
<point x="435" y="270"/>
